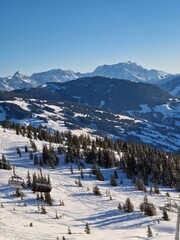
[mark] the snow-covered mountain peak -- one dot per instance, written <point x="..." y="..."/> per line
<point x="130" y="71"/>
<point x="20" y="76"/>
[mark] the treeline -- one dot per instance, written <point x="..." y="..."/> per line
<point x="140" y="162"/>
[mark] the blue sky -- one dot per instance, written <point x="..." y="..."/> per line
<point x="38" y="35"/>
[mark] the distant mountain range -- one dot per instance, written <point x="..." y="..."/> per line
<point x="125" y="70"/>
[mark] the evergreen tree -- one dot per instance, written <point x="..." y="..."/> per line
<point x="113" y="180"/>
<point x="165" y="216"/>
<point x="18" y="151"/>
<point x="71" y="170"/>
<point x="156" y="188"/>
<point x="37" y="196"/>
<point x="43" y="210"/>
<point x="82" y="175"/>
<point x="96" y="191"/>
<point x="29" y="183"/>
<point x="69" y="230"/>
<point x="148" y="208"/>
<point x="120" y="207"/>
<point x="26" y="148"/>
<point x="87" y="229"/>
<point x="79" y="184"/>
<point x="99" y="175"/>
<point x="128" y="206"/>
<point x="149" y="232"/>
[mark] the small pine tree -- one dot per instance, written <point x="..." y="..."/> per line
<point x="165" y="216"/>
<point x="56" y="216"/>
<point x="148" y="208"/>
<point x="48" y="199"/>
<point x="119" y="207"/>
<point x="113" y="181"/>
<point x="19" y="193"/>
<point x="26" y="148"/>
<point x="43" y="210"/>
<point x="82" y="175"/>
<point x="99" y="175"/>
<point x="167" y="194"/>
<point x="79" y="184"/>
<point x="151" y="191"/>
<point x="71" y="170"/>
<point x="29" y="183"/>
<point x="96" y="191"/>
<point x="18" y="151"/>
<point x="69" y="230"/>
<point x="128" y="206"/>
<point x="149" y="232"/>
<point x="87" y="229"/>
<point x="156" y="188"/>
<point x="37" y="197"/>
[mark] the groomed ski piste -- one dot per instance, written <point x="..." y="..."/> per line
<point x="106" y="222"/>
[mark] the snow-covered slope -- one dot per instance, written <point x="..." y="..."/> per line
<point x="172" y="86"/>
<point x="67" y="116"/>
<point x="81" y="206"/>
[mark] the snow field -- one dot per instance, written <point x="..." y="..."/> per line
<point x="81" y="206"/>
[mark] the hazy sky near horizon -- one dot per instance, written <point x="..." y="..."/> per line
<point x="39" y="35"/>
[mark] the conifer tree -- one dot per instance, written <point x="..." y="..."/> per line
<point x="26" y="148"/>
<point x="120" y="207"/>
<point x="71" y="170"/>
<point x="43" y="210"/>
<point x="29" y="183"/>
<point x="156" y="188"/>
<point x="87" y="229"/>
<point x="149" y="232"/>
<point x="48" y="199"/>
<point x="37" y="196"/>
<point x="82" y="175"/>
<point x="128" y="206"/>
<point x="69" y="230"/>
<point x="18" y="151"/>
<point x="165" y="216"/>
<point x="79" y="184"/>
<point x="96" y="191"/>
<point x="99" y="175"/>
<point x="113" y="180"/>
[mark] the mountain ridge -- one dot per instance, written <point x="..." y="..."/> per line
<point x="124" y="70"/>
